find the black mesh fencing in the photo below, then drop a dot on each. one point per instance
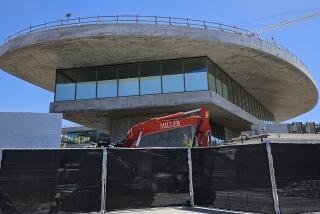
(147, 178)
(233, 178)
(27, 181)
(297, 173)
(50, 181)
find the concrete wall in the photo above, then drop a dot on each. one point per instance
(29, 130)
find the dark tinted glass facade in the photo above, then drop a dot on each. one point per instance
(166, 76)
(225, 86)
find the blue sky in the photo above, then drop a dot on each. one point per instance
(302, 39)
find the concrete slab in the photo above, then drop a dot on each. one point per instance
(98, 113)
(277, 79)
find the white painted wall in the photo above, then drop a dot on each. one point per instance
(29, 130)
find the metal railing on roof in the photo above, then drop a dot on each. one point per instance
(136, 19)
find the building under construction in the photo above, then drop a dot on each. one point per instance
(110, 72)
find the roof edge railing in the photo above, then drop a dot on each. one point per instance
(137, 19)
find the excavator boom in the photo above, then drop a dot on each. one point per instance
(170, 122)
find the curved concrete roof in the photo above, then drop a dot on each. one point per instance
(276, 78)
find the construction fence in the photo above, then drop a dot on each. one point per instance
(263, 178)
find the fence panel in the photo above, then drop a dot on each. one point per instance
(227, 177)
(27, 181)
(147, 178)
(297, 172)
(233, 177)
(50, 181)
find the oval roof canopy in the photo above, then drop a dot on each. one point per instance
(273, 76)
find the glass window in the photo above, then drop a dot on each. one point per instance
(242, 97)
(65, 86)
(172, 79)
(150, 78)
(257, 110)
(235, 93)
(230, 90)
(245, 100)
(248, 102)
(195, 74)
(267, 116)
(260, 111)
(211, 77)
(128, 79)
(255, 113)
(192, 74)
(107, 82)
(224, 85)
(217, 73)
(251, 105)
(263, 115)
(86, 83)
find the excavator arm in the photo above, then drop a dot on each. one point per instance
(170, 122)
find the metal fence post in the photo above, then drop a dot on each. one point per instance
(104, 181)
(190, 178)
(273, 179)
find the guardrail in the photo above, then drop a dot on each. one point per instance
(136, 19)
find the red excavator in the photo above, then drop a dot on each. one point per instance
(202, 136)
